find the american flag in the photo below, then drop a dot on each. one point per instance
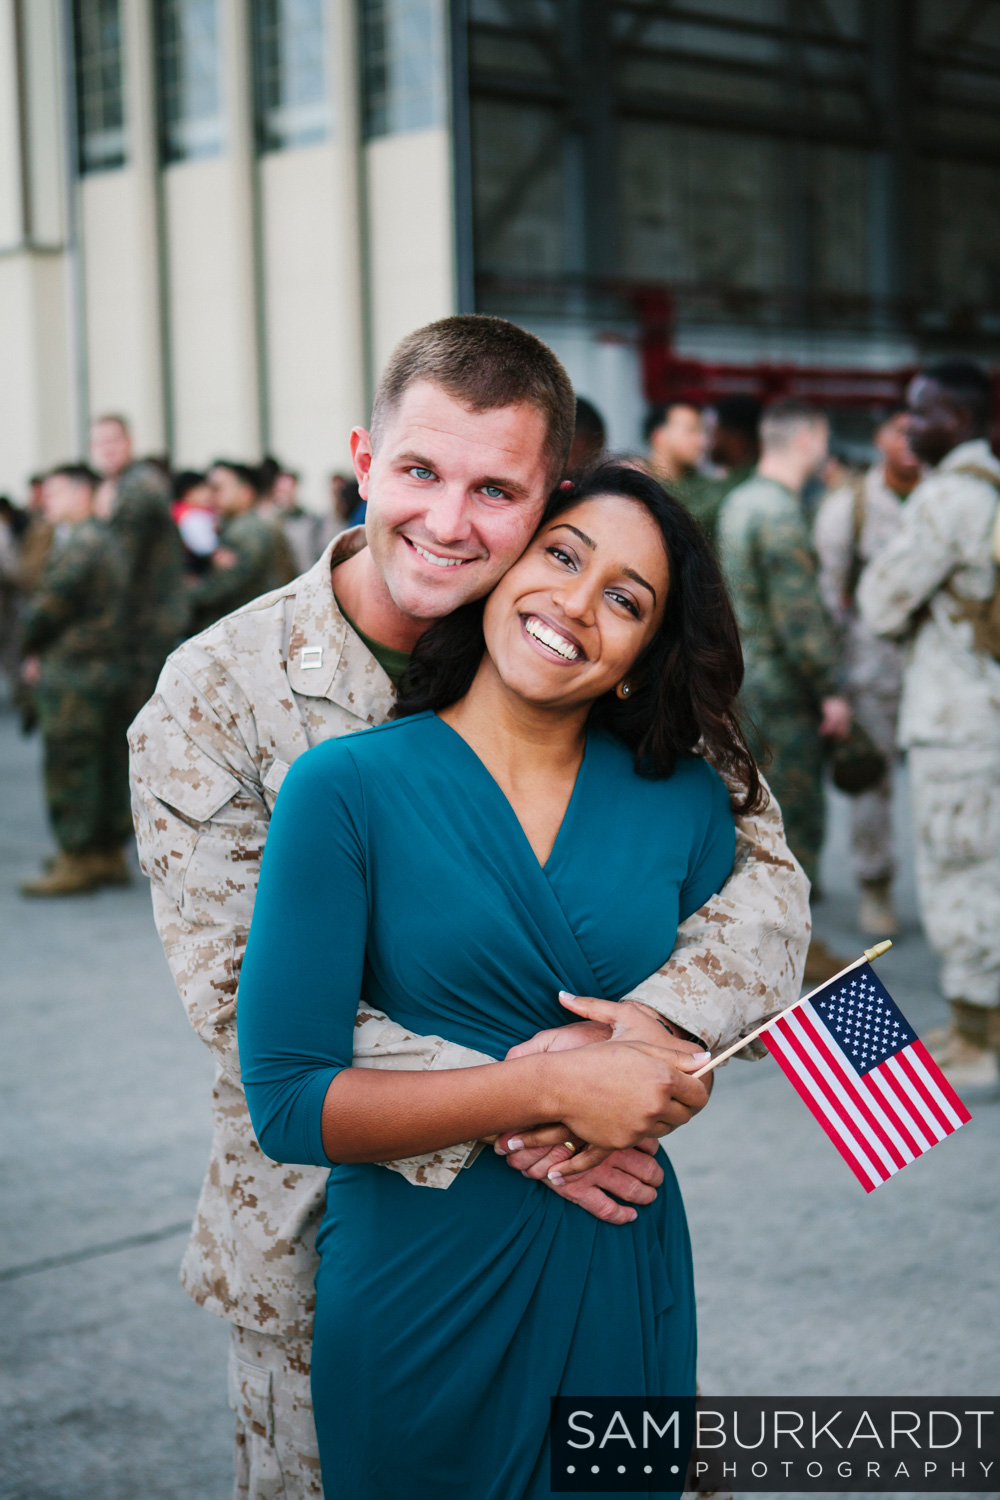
(865, 1074)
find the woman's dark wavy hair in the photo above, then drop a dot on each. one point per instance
(685, 683)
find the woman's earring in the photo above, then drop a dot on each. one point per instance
(623, 689)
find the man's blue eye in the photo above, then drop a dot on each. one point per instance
(492, 492)
(422, 473)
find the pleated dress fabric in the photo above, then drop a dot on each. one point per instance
(396, 870)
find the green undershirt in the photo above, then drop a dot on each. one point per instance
(393, 663)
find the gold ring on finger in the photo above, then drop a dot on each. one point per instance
(570, 1147)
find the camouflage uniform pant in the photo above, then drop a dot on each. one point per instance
(276, 1453)
(871, 812)
(956, 812)
(85, 768)
(795, 776)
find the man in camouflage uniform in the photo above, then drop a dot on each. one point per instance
(677, 440)
(234, 708)
(790, 692)
(933, 584)
(252, 556)
(135, 498)
(72, 637)
(734, 447)
(854, 524)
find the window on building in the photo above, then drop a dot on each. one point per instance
(293, 105)
(99, 85)
(404, 65)
(190, 92)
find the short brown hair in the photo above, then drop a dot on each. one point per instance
(485, 363)
(784, 417)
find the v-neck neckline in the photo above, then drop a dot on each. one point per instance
(570, 805)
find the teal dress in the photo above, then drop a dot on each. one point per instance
(396, 870)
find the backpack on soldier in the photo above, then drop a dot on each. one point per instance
(982, 614)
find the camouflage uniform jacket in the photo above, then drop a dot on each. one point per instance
(943, 548)
(156, 608)
(74, 619)
(704, 496)
(263, 562)
(789, 643)
(871, 662)
(233, 709)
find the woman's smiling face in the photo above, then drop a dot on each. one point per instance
(568, 621)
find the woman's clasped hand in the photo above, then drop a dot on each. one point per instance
(632, 1076)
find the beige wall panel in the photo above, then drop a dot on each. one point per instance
(411, 237)
(211, 337)
(11, 212)
(44, 120)
(314, 391)
(123, 369)
(36, 427)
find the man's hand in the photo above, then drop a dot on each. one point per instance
(225, 558)
(632, 1175)
(562, 1038)
(31, 671)
(543, 1151)
(836, 721)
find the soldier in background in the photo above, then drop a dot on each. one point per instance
(854, 524)
(734, 447)
(251, 557)
(72, 636)
(135, 499)
(677, 441)
(790, 691)
(590, 438)
(935, 583)
(279, 501)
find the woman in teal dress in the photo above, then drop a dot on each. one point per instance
(540, 821)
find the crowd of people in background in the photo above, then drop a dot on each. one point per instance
(110, 564)
(865, 597)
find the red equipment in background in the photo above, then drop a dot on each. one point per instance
(668, 376)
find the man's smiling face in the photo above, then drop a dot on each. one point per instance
(454, 496)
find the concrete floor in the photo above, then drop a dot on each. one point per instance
(112, 1384)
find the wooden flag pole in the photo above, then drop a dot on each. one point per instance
(869, 955)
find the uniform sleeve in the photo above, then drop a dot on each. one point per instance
(221, 586)
(138, 511)
(788, 568)
(833, 537)
(201, 821)
(739, 958)
(56, 602)
(299, 986)
(925, 550)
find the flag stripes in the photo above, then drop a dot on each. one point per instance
(879, 1120)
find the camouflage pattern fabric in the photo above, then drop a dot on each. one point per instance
(704, 496)
(277, 1456)
(873, 666)
(85, 765)
(156, 609)
(789, 647)
(943, 548)
(74, 623)
(956, 814)
(233, 709)
(949, 716)
(263, 562)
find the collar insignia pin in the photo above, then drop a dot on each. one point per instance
(311, 657)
